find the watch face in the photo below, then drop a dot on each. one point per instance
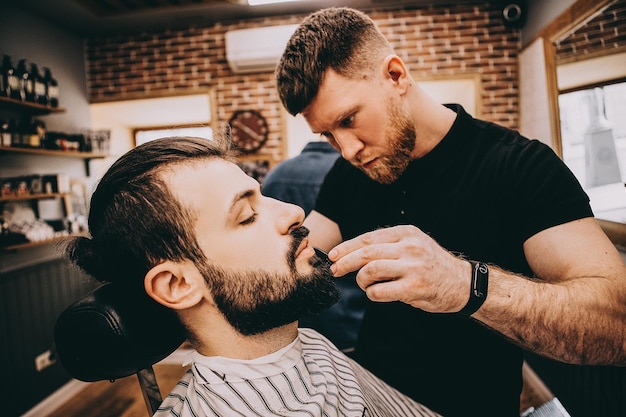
(248, 130)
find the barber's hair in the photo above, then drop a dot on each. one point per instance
(135, 221)
(340, 38)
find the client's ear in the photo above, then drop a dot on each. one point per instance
(177, 285)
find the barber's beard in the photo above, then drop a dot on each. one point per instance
(401, 133)
(254, 302)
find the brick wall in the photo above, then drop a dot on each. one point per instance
(602, 35)
(433, 41)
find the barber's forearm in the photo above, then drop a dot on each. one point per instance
(580, 321)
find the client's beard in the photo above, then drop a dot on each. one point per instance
(254, 302)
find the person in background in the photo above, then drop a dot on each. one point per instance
(238, 270)
(297, 181)
(472, 242)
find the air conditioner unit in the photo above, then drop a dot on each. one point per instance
(256, 49)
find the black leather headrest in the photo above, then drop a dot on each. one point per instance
(111, 333)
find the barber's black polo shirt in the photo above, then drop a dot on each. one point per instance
(481, 192)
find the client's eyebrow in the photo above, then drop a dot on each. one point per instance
(239, 197)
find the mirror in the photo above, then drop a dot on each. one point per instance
(591, 82)
(578, 68)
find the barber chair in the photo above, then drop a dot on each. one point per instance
(112, 333)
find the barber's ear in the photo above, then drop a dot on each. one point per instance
(394, 69)
(177, 285)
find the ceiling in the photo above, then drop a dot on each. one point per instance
(108, 17)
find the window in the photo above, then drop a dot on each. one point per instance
(593, 134)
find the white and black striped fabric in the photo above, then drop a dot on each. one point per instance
(308, 378)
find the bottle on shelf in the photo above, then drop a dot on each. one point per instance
(17, 134)
(4, 73)
(25, 87)
(37, 133)
(13, 81)
(52, 88)
(5, 132)
(38, 86)
(30, 134)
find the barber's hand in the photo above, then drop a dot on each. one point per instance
(402, 263)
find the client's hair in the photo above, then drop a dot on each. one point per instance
(134, 220)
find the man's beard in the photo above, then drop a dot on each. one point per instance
(401, 134)
(254, 302)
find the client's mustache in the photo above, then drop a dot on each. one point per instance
(298, 235)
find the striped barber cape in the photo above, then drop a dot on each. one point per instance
(309, 377)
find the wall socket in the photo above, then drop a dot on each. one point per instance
(44, 360)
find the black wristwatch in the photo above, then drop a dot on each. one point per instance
(478, 290)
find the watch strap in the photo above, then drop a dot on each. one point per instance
(478, 290)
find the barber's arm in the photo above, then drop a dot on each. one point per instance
(574, 312)
(324, 233)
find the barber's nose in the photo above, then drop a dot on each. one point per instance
(350, 146)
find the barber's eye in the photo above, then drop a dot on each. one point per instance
(249, 220)
(347, 122)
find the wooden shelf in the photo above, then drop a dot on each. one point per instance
(31, 197)
(52, 152)
(27, 110)
(27, 107)
(26, 245)
(86, 156)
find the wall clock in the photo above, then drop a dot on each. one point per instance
(248, 130)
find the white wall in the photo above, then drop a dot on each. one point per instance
(25, 36)
(534, 98)
(121, 117)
